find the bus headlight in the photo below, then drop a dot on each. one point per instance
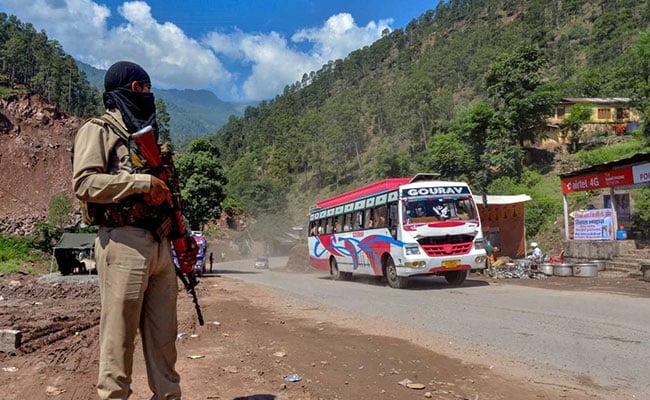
(415, 264)
(479, 244)
(412, 250)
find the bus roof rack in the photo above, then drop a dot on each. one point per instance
(425, 176)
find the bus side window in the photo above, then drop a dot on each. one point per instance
(328, 226)
(312, 228)
(358, 220)
(369, 218)
(380, 214)
(347, 222)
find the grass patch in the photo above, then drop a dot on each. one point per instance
(610, 152)
(16, 254)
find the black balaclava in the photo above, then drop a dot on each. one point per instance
(138, 109)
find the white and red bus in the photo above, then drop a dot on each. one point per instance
(398, 228)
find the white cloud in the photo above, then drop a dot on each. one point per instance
(175, 60)
(275, 63)
(340, 35)
(171, 58)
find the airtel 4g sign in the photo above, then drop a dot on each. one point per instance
(435, 191)
(625, 176)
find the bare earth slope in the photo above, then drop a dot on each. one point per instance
(35, 138)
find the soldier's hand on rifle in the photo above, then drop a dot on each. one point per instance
(158, 193)
(187, 258)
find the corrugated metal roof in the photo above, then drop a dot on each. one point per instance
(596, 100)
(608, 166)
(502, 199)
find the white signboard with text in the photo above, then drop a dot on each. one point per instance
(594, 225)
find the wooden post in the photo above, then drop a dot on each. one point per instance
(565, 204)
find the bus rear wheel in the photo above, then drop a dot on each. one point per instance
(394, 281)
(456, 278)
(337, 274)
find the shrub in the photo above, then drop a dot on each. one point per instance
(14, 251)
(45, 236)
(546, 205)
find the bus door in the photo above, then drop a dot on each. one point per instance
(359, 233)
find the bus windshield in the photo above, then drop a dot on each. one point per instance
(418, 210)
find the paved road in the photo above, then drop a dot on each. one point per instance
(602, 336)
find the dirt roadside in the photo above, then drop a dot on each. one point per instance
(254, 338)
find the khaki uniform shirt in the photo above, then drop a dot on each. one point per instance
(102, 165)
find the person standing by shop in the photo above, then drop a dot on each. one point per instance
(133, 254)
(536, 256)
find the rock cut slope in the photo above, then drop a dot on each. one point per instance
(35, 142)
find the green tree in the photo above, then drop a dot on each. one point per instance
(448, 156)
(472, 128)
(637, 73)
(202, 181)
(515, 85)
(58, 212)
(163, 118)
(573, 124)
(391, 163)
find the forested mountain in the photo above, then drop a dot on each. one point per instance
(461, 90)
(192, 112)
(196, 112)
(29, 61)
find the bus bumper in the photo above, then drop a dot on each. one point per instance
(437, 266)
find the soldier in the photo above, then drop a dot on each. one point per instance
(133, 254)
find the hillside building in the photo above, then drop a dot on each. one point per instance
(615, 115)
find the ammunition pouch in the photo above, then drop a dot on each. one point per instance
(132, 211)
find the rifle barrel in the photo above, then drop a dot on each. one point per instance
(190, 284)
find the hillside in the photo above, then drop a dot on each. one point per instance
(439, 95)
(35, 165)
(400, 106)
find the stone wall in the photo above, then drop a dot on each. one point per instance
(597, 249)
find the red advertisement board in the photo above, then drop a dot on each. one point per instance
(598, 180)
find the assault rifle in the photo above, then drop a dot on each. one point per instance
(160, 161)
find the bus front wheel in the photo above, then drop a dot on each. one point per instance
(394, 281)
(337, 274)
(456, 278)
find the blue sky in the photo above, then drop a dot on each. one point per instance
(241, 50)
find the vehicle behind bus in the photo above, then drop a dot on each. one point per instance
(399, 228)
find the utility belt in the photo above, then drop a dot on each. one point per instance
(132, 211)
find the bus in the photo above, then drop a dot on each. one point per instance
(398, 228)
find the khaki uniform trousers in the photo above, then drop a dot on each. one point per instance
(138, 290)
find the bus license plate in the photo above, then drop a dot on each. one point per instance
(450, 263)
